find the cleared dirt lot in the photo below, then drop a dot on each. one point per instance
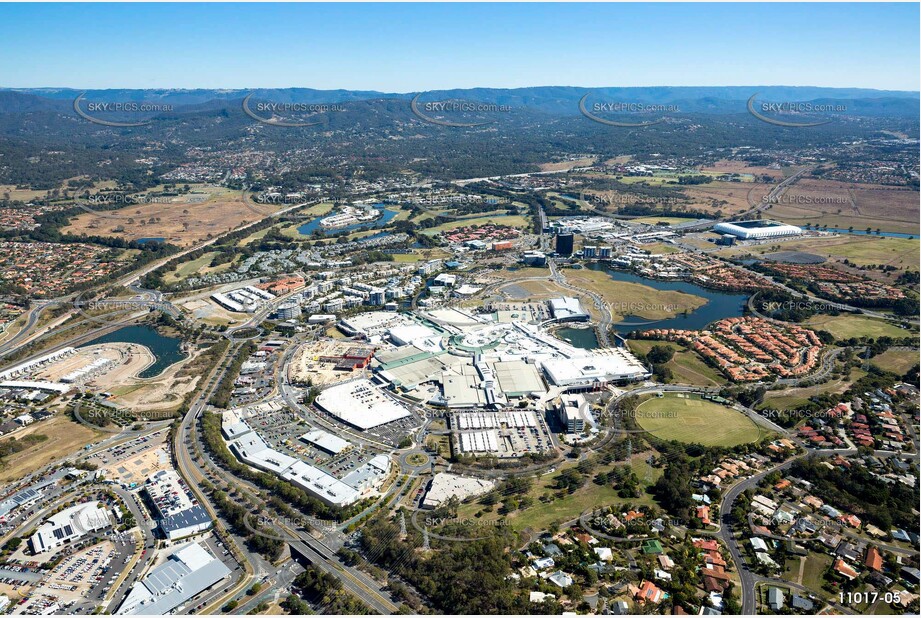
(210, 312)
(137, 468)
(306, 364)
(163, 392)
(127, 360)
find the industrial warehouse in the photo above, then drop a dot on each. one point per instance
(186, 572)
(69, 525)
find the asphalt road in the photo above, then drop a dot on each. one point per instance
(746, 577)
(353, 580)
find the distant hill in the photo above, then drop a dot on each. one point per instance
(556, 100)
(43, 141)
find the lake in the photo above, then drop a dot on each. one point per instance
(719, 304)
(314, 224)
(166, 350)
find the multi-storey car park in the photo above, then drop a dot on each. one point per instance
(177, 512)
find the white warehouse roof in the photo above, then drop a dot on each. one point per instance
(567, 308)
(361, 404)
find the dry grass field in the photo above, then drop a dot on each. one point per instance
(902, 253)
(727, 197)
(791, 398)
(516, 221)
(843, 205)
(741, 167)
(687, 418)
(686, 366)
(204, 213)
(22, 195)
(65, 436)
(887, 202)
(633, 298)
(197, 267)
(558, 505)
(668, 220)
(896, 361)
(623, 298)
(845, 326)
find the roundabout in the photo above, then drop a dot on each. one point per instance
(414, 462)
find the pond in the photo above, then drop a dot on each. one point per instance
(584, 338)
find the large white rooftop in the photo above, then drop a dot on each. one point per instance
(361, 404)
(567, 308)
(615, 364)
(756, 229)
(72, 523)
(446, 485)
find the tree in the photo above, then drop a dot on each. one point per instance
(662, 373)
(660, 354)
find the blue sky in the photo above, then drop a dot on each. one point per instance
(413, 47)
